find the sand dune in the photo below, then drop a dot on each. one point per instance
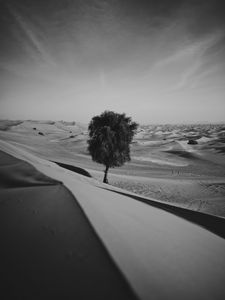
(50, 249)
(161, 161)
(162, 167)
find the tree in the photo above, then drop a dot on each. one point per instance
(110, 135)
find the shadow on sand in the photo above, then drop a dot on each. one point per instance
(73, 169)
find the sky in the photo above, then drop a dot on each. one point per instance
(157, 61)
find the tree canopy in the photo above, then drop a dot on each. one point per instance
(110, 135)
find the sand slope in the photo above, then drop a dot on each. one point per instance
(161, 255)
(49, 250)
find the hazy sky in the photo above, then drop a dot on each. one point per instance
(158, 61)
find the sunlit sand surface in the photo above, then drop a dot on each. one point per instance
(163, 166)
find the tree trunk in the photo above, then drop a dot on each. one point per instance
(105, 180)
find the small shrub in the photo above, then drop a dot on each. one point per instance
(192, 142)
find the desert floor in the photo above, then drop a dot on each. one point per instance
(163, 165)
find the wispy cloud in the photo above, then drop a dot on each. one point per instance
(181, 54)
(195, 52)
(30, 35)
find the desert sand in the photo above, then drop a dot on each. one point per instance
(67, 235)
(163, 166)
(49, 249)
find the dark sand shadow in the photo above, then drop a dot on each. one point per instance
(73, 169)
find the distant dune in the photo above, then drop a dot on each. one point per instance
(7, 124)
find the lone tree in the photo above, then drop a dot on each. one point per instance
(110, 135)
